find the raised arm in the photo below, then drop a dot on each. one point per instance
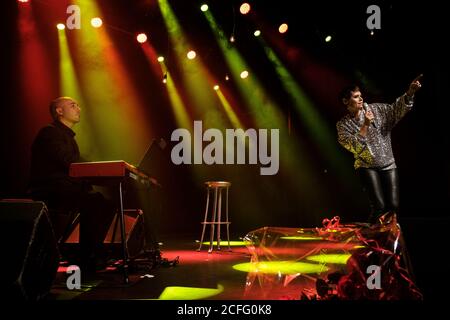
(395, 111)
(414, 86)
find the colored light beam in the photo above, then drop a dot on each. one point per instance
(330, 258)
(302, 238)
(68, 81)
(196, 79)
(197, 84)
(314, 74)
(34, 74)
(160, 70)
(236, 123)
(112, 102)
(281, 267)
(225, 243)
(69, 87)
(189, 293)
(264, 111)
(311, 118)
(152, 59)
(182, 117)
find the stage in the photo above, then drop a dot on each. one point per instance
(184, 273)
(173, 102)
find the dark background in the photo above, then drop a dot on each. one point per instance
(411, 41)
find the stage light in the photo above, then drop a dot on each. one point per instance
(216, 87)
(281, 267)
(60, 26)
(328, 39)
(244, 8)
(141, 37)
(330, 258)
(232, 38)
(283, 28)
(372, 33)
(189, 293)
(164, 80)
(227, 78)
(191, 54)
(257, 33)
(22, 1)
(244, 74)
(204, 7)
(160, 59)
(96, 22)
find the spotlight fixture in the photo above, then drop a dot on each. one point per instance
(23, 1)
(227, 77)
(160, 59)
(204, 7)
(60, 26)
(283, 28)
(164, 80)
(328, 39)
(96, 22)
(244, 74)
(257, 33)
(372, 33)
(216, 87)
(232, 38)
(244, 8)
(141, 37)
(191, 54)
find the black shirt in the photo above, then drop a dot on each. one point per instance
(53, 150)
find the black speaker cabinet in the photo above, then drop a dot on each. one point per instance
(134, 234)
(29, 255)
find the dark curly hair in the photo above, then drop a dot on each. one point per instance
(346, 92)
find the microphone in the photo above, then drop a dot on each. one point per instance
(365, 106)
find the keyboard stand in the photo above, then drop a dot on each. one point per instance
(123, 236)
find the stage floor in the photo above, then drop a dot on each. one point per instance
(197, 275)
(221, 275)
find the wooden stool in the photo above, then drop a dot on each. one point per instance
(216, 219)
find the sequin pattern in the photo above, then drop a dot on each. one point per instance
(375, 149)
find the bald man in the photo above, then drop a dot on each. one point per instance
(53, 150)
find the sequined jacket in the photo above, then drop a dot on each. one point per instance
(375, 149)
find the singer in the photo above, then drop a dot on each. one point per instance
(366, 132)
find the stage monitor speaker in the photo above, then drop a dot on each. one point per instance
(134, 234)
(30, 255)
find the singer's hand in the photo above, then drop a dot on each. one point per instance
(414, 86)
(368, 117)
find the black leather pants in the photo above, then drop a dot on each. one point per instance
(382, 189)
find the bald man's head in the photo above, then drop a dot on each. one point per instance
(65, 110)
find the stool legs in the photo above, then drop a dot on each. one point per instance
(204, 221)
(216, 218)
(219, 218)
(213, 222)
(227, 223)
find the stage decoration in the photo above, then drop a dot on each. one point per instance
(357, 261)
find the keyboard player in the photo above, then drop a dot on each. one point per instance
(53, 150)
